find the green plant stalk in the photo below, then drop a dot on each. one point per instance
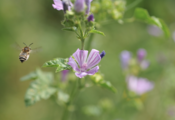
(82, 44)
(89, 42)
(74, 93)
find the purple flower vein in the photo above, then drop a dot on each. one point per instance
(84, 65)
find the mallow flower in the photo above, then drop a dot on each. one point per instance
(125, 57)
(139, 85)
(83, 64)
(62, 5)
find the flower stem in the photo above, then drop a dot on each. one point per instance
(88, 46)
(76, 88)
(82, 44)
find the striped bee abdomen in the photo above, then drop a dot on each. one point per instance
(22, 59)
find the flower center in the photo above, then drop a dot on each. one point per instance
(84, 67)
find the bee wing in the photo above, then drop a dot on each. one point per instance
(16, 46)
(36, 50)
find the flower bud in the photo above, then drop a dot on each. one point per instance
(64, 75)
(79, 5)
(141, 54)
(90, 18)
(102, 54)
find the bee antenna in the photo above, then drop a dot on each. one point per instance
(30, 44)
(24, 44)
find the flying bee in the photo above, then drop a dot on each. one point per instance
(25, 52)
(24, 55)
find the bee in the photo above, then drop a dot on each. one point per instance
(25, 53)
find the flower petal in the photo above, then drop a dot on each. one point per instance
(73, 64)
(57, 4)
(144, 86)
(80, 56)
(93, 59)
(93, 70)
(80, 75)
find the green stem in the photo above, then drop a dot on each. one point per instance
(82, 44)
(74, 93)
(89, 42)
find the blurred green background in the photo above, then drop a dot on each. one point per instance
(35, 21)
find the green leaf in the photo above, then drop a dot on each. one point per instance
(96, 31)
(41, 88)
(68, 23)
(30, 76)
(60, 63)
(63, 97)
(143, 15)
(92, 110)
(99, 80)
(70, 28)
(108, 85)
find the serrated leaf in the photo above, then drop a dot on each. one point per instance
(143, 15)
(97, 32)
(30, 76)
(41, 88)
(38, 90)
(60, 63)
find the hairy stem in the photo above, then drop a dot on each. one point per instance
(89, 42)
(82, 44)
(74, 93)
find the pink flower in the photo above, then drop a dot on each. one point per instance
(58, 4)
(84, 65)
(139, 85)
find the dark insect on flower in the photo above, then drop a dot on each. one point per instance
(65, 6)
(102, 54)
(90, 18)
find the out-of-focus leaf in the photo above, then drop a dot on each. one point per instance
(38, 90)
(143, 15)
(63, 97)
(96, 31)
(60, 63)
(92, 110)
(98, 80)
(108, 85)
(30, 76)
(41, 88)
